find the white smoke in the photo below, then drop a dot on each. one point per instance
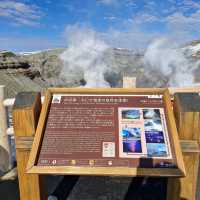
(165, 56)
(85, 53)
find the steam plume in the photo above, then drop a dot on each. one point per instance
(85, 53)
(88, 55)
(164, 56)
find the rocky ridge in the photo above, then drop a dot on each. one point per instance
(44, 68)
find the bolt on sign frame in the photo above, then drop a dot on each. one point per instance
(177, 170)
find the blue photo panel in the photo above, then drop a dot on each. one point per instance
(154, 137)
(130, 114)
(133, 146)
(156, 150)
(131, 133)
(153, 125)
(151, 113)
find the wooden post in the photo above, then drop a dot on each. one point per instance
(129, 82)
(187, 115)
(173, 90)
(26, 112)
(4, 144)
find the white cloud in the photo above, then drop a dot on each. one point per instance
(108, 2)
(111, 18)
(130, 32)
(168, 17)
(132, 38)
(142, 18)
(131, 3)
(179, 21)
(189, 4)
(176, 23)
(20, 13)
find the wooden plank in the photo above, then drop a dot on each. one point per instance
(24, 142)
(187, 115)
(106, 171)
(26, 111)
(107, 90)
(190, 146)
(173, 129)
(185, 188)
(39, 131)
(194, 89)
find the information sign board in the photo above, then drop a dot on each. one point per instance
(86, 130)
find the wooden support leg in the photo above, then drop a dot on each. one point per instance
(187, 115)
(26, 112)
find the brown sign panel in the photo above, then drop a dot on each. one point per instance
(106, 130)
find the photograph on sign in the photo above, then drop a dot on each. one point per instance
(142, 133)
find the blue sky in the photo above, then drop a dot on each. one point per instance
(28, 25)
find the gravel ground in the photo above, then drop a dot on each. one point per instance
(100, 188)
(115, 188)
(9, 190)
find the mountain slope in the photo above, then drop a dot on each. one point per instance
(45, 69)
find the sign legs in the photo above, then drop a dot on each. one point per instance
(26, 112)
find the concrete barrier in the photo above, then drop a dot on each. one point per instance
(5, 161)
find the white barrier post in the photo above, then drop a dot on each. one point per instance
(129, 82)
(4, 144)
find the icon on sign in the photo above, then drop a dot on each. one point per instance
(91, 162)
(73, 162)
(54, 162)
(110, 163)
(56, 99)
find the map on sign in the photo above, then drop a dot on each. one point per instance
(106, 130)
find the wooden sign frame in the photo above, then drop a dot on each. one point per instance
(113, 171)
